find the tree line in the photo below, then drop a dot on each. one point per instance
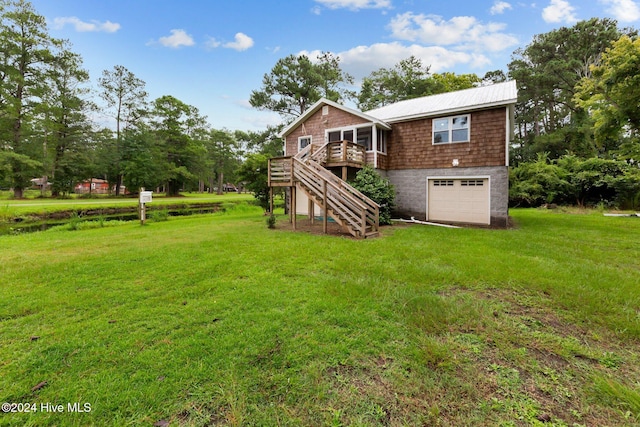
(577, 117)
(48, 127)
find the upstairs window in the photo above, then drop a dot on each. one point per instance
(303, 141)
(364, 138)
(448, 130)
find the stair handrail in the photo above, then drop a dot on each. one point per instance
(280, 170)
(330, 182)
(304, 153)
(320, 155)
(351, 204)
(345, 185)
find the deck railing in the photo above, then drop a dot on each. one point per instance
(280, 172)
(345, 152)
(336, 153)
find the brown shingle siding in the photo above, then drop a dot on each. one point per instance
(411, 144)
(316, 126)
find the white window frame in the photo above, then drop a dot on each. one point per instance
(353, 129)
(450, 129)
(382, 139)
(301, 138)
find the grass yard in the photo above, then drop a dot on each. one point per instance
(217, 320)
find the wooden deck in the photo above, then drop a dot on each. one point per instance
(345, 153)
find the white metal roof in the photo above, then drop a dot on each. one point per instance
(494, 95)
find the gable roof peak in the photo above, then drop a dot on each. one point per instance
(319, 104)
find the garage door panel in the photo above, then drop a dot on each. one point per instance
(459, 200)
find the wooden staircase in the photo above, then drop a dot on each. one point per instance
(348, 207)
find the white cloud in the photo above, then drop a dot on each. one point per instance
(355, 4)
(360, 61)
(81, 26)
(559, 11)
(623, 10)
(242, 42)
(499, 7)
(177, 39)
(257, 119)
(463, 31)
(212, 43)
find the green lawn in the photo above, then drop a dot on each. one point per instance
(217, 320)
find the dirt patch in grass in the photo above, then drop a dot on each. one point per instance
(305, 225)
(531, 362)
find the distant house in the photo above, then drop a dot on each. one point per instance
(94, 186)
(446, 154)
(229, 187)
(41, 184)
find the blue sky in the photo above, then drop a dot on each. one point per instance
(211, 54)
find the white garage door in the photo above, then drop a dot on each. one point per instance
(459, 200)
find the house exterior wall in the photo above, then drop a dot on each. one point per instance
(412, 158)
(411, 147)
(316, 126)
(383, 161)
(411, 189)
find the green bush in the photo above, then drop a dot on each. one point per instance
(74, 221)
(537, 183)
(591, 181)
(271, 221)
(575, 181)
(159, 215)
(378, 189)
(88, 196)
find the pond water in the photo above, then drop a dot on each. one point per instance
(34, 223)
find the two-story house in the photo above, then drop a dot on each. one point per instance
(447, 156)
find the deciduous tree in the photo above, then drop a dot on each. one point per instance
(222, 157)
(253, 173)
(611, 94)
(266, 142)
(547, 71)
(408, 79)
